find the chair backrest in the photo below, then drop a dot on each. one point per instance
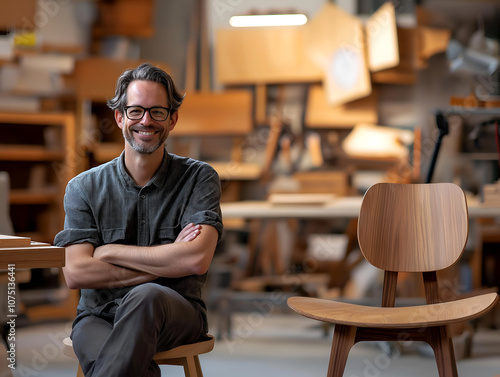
(413, 227)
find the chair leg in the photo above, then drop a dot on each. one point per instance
(199, 372)
(79, 372)
(343, 340)
(192, 367)
(442, 344)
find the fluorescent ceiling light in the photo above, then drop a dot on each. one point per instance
(268, 20)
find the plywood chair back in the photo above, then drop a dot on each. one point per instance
(413, 228)
(405, 228)
(185, 355)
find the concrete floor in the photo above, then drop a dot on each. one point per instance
(268, 345)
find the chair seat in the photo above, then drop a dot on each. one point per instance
(185, 351)
(164, 357)
(394, 317)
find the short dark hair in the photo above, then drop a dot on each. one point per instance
(147, 72)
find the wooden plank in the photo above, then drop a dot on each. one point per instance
(13, 241)
(34, 196)
(263, 55)
(32, 257)
(382, 38)
(432, 41)
(95, 77)
(205, 68)
(323, 181)
(17, 14)
(52, 119)
(227, 113)
(126, 17)
(405, 72)
(29, 153)
(320, 114)
(336, 42)
(373, 142)
(192, 49)
(261, 103)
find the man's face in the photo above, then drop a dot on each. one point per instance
(146, 135)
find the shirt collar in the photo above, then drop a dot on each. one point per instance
(158, 179)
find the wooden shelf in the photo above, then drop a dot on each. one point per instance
(29, 153)
(39, 169)
(39, 150)
(42, 119)
(34, 196)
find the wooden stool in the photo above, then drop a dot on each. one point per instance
(185, 355)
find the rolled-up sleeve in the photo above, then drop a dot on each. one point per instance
(204, 202)
(79, 222)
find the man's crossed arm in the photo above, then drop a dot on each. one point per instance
(113, 265)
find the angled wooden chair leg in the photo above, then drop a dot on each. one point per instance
(442, 344)
(343, 340)
(199, 372)
(190, 367)
(79, 372)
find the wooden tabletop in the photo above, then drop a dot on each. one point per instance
(341, 207)
(21, 252)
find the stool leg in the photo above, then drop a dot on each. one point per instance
(79, 372)
(191, 367)
(199, 373)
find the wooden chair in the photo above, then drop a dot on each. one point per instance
(404, 228)
(185, 355)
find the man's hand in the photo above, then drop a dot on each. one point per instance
(188, 233)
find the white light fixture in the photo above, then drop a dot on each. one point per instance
(268, 20)
(466, 59)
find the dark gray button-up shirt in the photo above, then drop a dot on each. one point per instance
(104, 205)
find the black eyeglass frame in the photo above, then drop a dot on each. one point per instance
(148, 109)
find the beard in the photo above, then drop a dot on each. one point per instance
(140, 147)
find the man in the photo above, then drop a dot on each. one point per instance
(140, 233)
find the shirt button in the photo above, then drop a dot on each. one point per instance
(143, 196)
(143, 221)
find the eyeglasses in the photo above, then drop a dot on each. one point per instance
(136, 112)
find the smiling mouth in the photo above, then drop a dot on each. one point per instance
(146, 133)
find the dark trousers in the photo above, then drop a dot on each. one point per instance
(150, 318)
